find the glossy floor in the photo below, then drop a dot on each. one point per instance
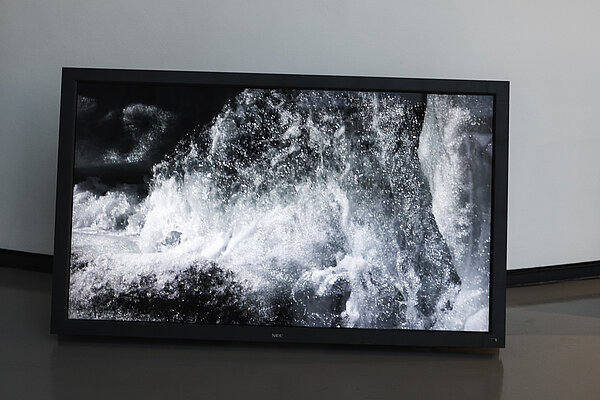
(552, 352)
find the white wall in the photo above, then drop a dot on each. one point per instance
(548, 51)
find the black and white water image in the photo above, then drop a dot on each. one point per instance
(281, 207)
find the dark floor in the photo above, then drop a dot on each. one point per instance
(552, 352)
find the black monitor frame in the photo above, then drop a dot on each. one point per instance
(61, 324)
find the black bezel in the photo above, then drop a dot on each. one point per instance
(495, 337)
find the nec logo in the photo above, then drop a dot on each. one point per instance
(277, 335)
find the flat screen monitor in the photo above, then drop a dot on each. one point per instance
(282, 208)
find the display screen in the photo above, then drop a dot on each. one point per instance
(285, 207)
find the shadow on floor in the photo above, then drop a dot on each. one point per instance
(215, 370)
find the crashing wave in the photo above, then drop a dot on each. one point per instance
(313, 204)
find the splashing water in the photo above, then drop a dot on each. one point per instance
(310, 208)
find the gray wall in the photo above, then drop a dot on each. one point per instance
(547, 50)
